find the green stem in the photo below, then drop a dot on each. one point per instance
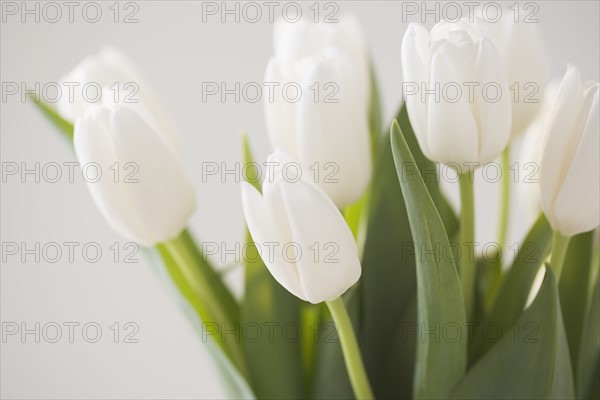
(504, 199)
(467, 240)
(201, 286)
(352, 357)
(560, 244)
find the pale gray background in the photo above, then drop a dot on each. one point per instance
(176, 52)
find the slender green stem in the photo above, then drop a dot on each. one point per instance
(504, 199)
(560, 244)
(467, 240)
(197, 282)
(352, 357)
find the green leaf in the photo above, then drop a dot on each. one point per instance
(234, 383)
(374, 112)
(274, 357)
(203, 288)
(588, 368)
(574, 282)
(530, 363)
(388, 282)
(62, 124)
(428, 172)
(440, 363)
(514, 287)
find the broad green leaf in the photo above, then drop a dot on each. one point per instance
(515, 285)
(440, 364)
(573, 287)
(65, 127)
(588, 369)
(388, 282)
(199, 283)
(272, 355)
(531, 361)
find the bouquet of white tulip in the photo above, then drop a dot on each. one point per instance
(402, 306)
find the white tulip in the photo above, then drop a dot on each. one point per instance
(297, 214)
(473, 127)
(327, 127)
(143, 191)
(299, 42)
(570, 164)
(530, 155)
(526, 62)
(110, 78)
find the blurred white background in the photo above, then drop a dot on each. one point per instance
(176, 51)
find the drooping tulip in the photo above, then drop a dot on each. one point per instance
(570, 164)
(462, 111)
(293, 213)
(525, 60)
(142, 190)
(325, 126)
(109, 78)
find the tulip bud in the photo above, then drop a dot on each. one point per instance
(326, 125)
(142, 189)
(569, 181)
(530, 156)
(117, 81)
(462, 112)
(296, 43)
(298, 217)
(525, 60)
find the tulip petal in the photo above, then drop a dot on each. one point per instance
(349, 37)
(559, 136)
(415, 68)
(263, 229)
(280, 113)
(493, 102)
(329, 263)
(452, 130)
(334, 132)
(576, 209)
(146, 196)
(295, 41)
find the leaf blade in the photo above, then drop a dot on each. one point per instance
(439, 364)
(539, 369)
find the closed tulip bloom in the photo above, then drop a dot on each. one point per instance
(297, 214)
(570, 165)
(527, 66)
(299, 42)
(329, 134)
(143, 191)
(110, 78)
(326, 125)
(530, 156)
(473, 126)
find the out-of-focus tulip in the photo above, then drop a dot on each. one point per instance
(569, 181)
(109, 78)
(466, 116)
(325, 126)
(143, 191)
(296, 214)
(297, 43)
(530, 155)
(525, 60)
